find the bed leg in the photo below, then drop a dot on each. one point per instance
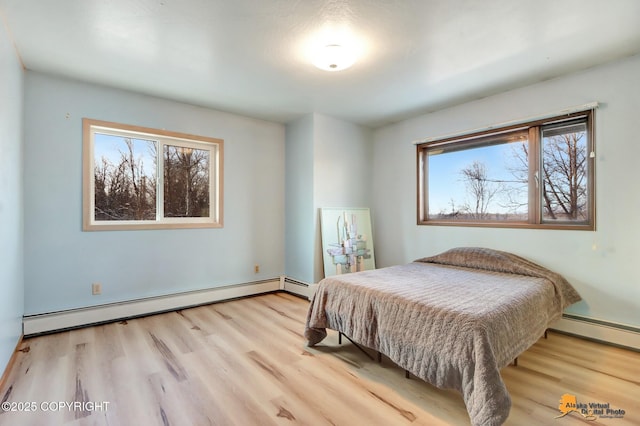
(406, 374)
(355, 344)
(515, 362)
(379, 357)
(339, 338)
(545, 334)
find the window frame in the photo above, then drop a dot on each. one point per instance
(214, 146)
(535, 213)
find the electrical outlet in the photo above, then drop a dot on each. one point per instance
(256, 268)
(96, 288)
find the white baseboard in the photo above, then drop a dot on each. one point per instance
(54, 321)
(601, 331)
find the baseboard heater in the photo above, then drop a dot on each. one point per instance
(600, 331)
(297, 287)
(92, 315)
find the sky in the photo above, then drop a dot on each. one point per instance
(446, 182)
(111, 146)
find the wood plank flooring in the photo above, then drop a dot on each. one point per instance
(245, 363)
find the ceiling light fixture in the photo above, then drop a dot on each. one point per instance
(334, 57)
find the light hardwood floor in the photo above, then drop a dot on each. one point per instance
(245, 363)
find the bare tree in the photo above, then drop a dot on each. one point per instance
(481, 189)
(516, 196)
(186, 175)
(124, 191)
(564, 175)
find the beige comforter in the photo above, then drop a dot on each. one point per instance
(453, 320)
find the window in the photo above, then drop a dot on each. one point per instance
(139, 178)
(537, 175)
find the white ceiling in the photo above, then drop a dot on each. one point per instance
(251, 57)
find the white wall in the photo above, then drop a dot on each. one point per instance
(342, 172)
(602, 265)
(11, 201)
(61, 261)
(299, 212)
(328, 165)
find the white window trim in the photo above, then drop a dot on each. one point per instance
(213, 145)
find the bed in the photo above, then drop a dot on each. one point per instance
(453, 320)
